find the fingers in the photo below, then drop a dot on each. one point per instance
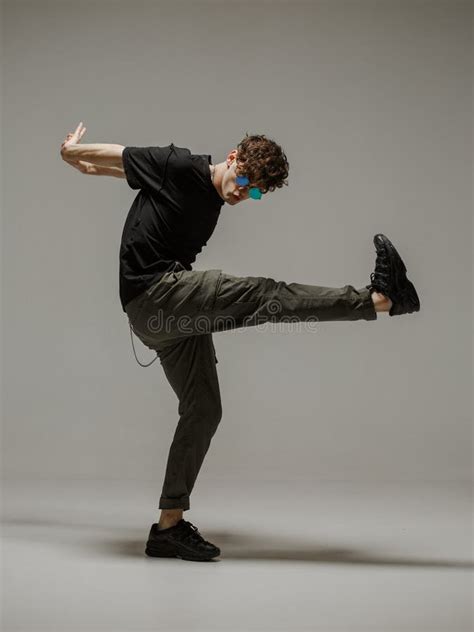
(78, 133)
(80, 130)
(68, 137)
(73, 138)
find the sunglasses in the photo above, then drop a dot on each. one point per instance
(254, 192)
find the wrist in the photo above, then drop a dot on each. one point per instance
(65, 152)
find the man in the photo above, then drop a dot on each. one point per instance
(174, 309)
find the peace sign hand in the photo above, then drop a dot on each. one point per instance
(74, 137)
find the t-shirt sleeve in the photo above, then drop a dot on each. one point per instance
(145, 167)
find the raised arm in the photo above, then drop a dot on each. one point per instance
(99, 154)
(96, 170)
(95, 153)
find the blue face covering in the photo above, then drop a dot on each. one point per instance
(254, 192)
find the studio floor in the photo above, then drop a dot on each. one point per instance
(296, 555)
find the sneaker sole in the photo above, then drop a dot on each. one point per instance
(409, 294)
(161, 551)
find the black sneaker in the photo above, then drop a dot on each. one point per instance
(182, 540)
(390, 278)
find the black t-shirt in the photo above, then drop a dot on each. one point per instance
(171, 218)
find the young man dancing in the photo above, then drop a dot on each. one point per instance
(174, 309)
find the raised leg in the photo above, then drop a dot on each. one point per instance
(194, 302)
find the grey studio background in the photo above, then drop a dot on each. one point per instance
(372, 103)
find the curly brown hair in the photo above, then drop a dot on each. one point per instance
(263, 161)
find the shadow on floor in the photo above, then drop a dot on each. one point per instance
(234, 545)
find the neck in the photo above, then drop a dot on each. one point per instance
(216, 177)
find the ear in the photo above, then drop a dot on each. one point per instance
(231, 156)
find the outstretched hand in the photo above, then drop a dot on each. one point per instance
(74, 137)
(71, 139)
(91, 168)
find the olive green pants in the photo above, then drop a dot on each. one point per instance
(176, 317)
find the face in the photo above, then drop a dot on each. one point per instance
(232, 192)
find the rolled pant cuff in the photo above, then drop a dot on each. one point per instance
(367, 304)
(174, 503)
